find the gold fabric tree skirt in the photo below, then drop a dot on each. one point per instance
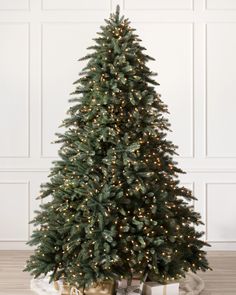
(191, 285)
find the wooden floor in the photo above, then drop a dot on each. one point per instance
(221, 281)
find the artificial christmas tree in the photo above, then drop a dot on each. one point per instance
(117, 209)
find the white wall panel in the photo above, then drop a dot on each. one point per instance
(221, 4)
(14, 211)
(158, 4)
(76, 4)
(14, 90)
(59, 71)
(194, 48)
(172, 46)
(221, 91)
(18, 192)
(221, 217)
(14, 4)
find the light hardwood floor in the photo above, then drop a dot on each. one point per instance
(220, 281)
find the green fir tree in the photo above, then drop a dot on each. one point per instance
(116, 208)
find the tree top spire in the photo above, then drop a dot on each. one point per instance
(117, 10)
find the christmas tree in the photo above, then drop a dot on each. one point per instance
(117, 208)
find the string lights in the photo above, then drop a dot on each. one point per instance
(115, 206)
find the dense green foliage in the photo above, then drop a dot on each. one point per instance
(116, 207)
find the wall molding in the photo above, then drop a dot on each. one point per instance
(75, 9)
(160, 9)
(206, 185)
(192, 107)
(42, 154)
(27, 154)
(217, 9)
(201, 167)
(47, 169)
(207, 155)
(17, 9)
(27, 183)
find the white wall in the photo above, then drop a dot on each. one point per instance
(194, 43)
